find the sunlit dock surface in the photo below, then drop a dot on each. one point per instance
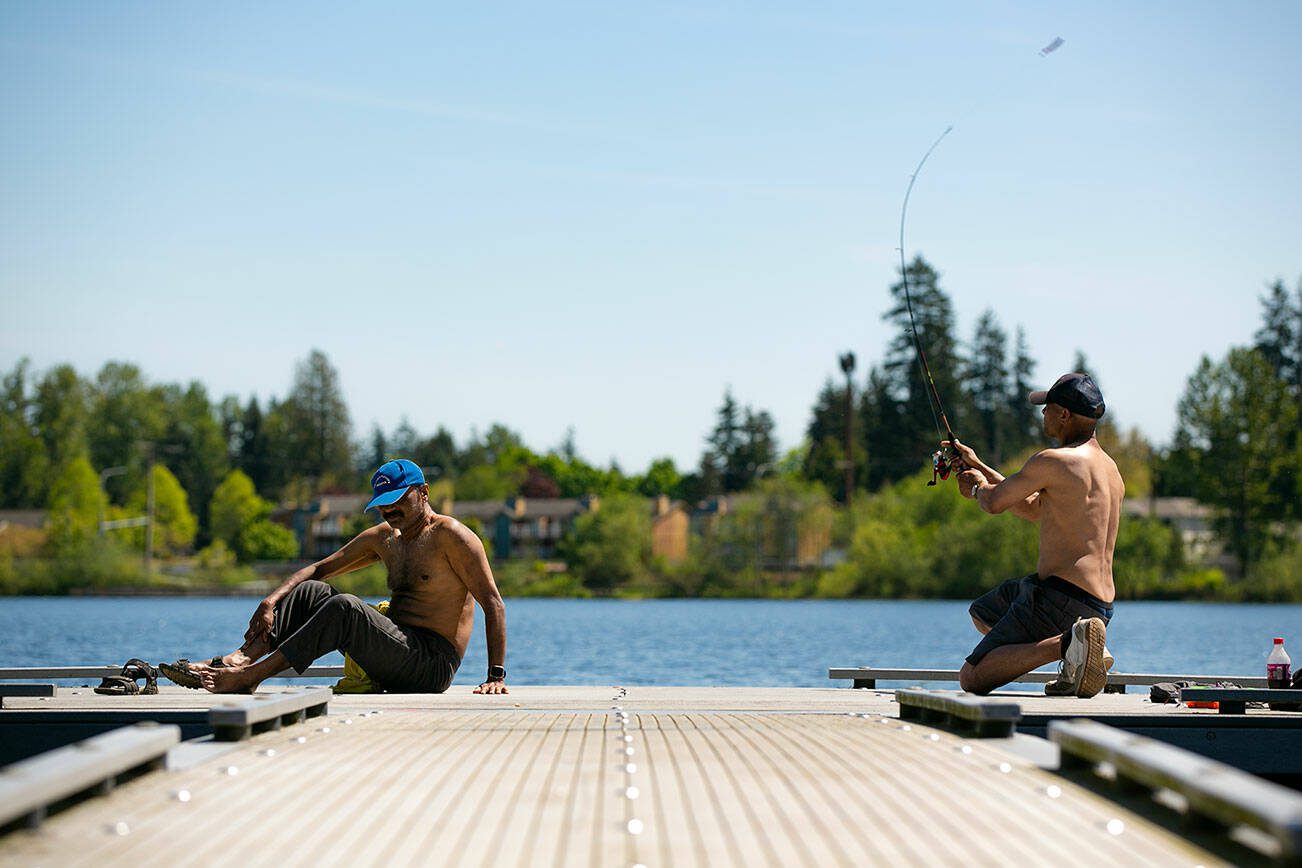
(598, 776)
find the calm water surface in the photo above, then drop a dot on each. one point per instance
(769, 643)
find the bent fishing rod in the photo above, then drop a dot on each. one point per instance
(943, 460)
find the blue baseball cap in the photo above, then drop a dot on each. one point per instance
(392, 480)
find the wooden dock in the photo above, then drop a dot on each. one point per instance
(598, 776)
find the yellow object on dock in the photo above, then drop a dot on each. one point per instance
(601, 777)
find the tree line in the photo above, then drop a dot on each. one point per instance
(82, 446)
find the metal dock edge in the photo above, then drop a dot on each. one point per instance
(28, 788)
(234, 721)
(1214, 793)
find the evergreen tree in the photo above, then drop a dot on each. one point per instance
(195, 449)
(1280, 334)
(886, 438)
(1279, 340)
(379, 449)
(824, 459)
(255, 457)
(24, 464)
(61, 411)
(312, 432)
(986, 389)
(126, 415)
(404, 440)
(724, 441)
(904, 381)
(1025, 427)
(741, 447)
(230, 416)
(437, 454)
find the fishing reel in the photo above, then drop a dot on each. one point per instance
(944, 461)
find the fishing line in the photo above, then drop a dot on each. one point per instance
(941, 459)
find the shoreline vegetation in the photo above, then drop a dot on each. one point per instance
(95, 472)
(907, 541)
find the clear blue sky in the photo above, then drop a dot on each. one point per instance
(601, 215)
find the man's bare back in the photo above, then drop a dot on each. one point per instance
(1080, 509)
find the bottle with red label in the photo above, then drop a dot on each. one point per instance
(1279, 672)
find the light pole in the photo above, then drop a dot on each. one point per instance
(847, 365)
(103, 476)
(150, 449)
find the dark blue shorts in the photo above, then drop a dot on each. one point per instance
(1031, 609)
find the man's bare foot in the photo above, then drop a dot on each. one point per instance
(227, 679)
(248, 653)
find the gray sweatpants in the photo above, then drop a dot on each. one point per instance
(315, 619)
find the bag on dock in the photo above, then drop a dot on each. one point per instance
(355, 679)
(1166, 691)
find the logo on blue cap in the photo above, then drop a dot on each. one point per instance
(392, 480)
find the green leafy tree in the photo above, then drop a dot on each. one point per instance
(662, 477)
(266, 541)
(1237, 423)
(76, 504)
(174, 524)
(239, 521)
(610, 547)
(495, 465)
(235, 505)
(1134, 457)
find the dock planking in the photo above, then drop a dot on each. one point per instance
(542, 776)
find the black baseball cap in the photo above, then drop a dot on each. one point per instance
(1077, 392)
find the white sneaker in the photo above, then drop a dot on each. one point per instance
(1107, 658)
(1084, 665)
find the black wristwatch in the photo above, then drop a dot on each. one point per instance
(496, 673)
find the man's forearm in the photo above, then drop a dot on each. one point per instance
(295, 579)
(495, 632)
(994, 477)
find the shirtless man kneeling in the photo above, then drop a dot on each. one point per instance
(1060, 611)
(437, 572)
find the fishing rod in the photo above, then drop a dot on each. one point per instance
(943, 460)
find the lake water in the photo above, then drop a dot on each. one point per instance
(768, 643)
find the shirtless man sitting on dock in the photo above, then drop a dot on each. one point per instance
(437, 572)
(1060, 611)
